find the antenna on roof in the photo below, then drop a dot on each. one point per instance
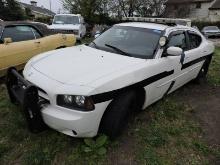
(167, 21)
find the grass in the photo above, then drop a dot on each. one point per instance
(214, 71)
(170, 136)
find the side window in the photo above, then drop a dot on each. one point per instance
(1, 28)
(36, 33)
(194, 40)
(178, 40)
(18, 33)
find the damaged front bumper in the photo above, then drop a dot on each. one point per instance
(25, 94)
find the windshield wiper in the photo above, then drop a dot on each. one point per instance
(96, 46)
(118, 50)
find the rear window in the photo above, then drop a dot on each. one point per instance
(211, 28)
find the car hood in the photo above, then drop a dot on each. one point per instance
(65, 27)
(81, 65)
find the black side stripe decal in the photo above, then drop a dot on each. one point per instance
(186, 65)
(99, 98)
(169, 89)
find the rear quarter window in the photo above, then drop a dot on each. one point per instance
(195, 40)
(1, 28)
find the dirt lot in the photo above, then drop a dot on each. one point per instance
(183, 128)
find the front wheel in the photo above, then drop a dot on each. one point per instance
(115, 119)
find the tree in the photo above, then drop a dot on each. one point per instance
(10, 10)
(101, 10)
(2, 9)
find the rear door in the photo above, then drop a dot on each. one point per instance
(193, 61)
(23, 46)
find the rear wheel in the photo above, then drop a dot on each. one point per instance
(202, 76)
(118, 113)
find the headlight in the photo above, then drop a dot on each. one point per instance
(80, 103)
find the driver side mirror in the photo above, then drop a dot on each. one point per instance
(7, 41)
(97, 34)
(174, 51)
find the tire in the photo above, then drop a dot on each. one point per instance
(202, 76)
(116, 117)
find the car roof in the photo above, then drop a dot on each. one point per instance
(39, 26)
(145, 25)
(78, 15)
(211, 26)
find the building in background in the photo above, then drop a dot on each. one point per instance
(200, 10)
(214, 11)
(37, 12)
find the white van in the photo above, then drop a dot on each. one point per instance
(69, 23)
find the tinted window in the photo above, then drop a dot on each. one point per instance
(1, 28)
(18, 33)
(137, 42)
(36, 33)
(65, 19)
(178, 40)
(194, 41)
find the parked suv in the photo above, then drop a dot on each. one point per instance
(69, 23)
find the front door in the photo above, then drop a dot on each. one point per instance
(169, 67)
(22, 48)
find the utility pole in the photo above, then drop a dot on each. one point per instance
(50, 5)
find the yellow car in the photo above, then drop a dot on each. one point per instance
(20, 41)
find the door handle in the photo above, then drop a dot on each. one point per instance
(37, 42)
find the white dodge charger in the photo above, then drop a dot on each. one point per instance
(93, 88)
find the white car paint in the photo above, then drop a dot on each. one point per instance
(80, 27)
(86, 71)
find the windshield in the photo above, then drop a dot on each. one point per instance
(130, 41)
(211, 28)
(65, 19)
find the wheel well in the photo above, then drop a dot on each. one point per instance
(61, 47)
(141, 95)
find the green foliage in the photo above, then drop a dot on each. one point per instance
(46, 20)
(170, 136)
(214, 70)
(109, 12)
(38, 157)
(10, 10)
(151, 157)
(96, 147)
